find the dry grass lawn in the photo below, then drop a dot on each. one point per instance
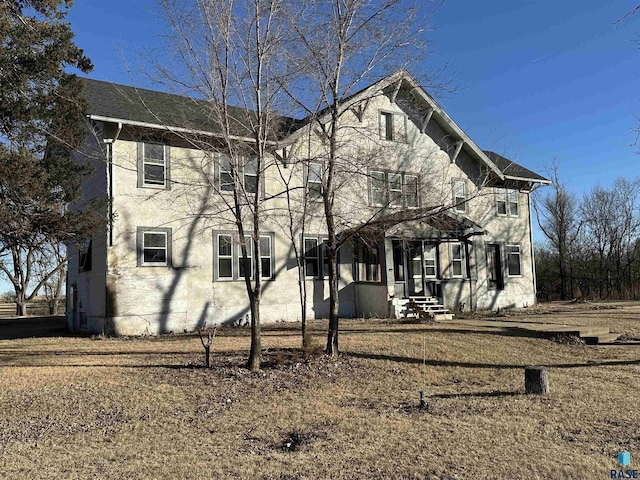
(74, 407)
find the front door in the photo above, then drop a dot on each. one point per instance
(423, 268)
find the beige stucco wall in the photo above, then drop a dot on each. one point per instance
(185, 295)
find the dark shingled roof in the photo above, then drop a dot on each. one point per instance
(512, 169)
(133, 104)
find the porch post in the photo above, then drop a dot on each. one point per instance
(389, 274)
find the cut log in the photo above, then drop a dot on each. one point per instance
(536, 380)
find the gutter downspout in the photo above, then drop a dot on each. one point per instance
(110, 187)
(110, 192)
(533, 259)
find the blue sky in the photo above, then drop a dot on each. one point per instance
(535, 79)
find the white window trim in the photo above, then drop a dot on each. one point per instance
(519, 254)
(236, 256)
(218, 257)
(270, 256)
(504, 195)
(394, 129)
(434, 249)
(248, 241)
(457, 205)
(385, 185)
(461, 260)
(317, 195)
(405, 193)
(245, 159)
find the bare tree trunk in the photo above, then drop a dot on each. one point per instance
(253, 363)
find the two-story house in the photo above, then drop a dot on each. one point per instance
(428, 214)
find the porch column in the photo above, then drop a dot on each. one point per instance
(389, 273)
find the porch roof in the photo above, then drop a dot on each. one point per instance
(405, 224)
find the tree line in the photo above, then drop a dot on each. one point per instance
(592, 244)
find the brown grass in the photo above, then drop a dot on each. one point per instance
(145, 408)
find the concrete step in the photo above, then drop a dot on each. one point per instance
(607, 338)
(442, 317)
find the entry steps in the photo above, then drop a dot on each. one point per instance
(425, 307)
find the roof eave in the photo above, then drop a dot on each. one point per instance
(170, 128)
(542, 181)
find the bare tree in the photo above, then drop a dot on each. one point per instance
(227, 53)
(54, 258)
(338, 46)
(29, 268)
(559, 218)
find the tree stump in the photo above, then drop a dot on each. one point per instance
(536, 380)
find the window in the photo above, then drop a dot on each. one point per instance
(494, 268)
(513, 260)
(507, 202)
(367, 263)
(225, 174)
(514, 202)
(154, 247)
(241, 264)
(266, 256)
(314, 181)
(311, 258)
(225, 256)
(430, 261)
(84, 256)
(459, 190)
(394, 189)
(228, 260)
(393, 126)
(250, 174)
(316, 257)
(410, 191)
(245, 167)
(153, 165)
(457, 260)
(378, 195)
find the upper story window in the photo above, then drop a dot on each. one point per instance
(507, 202)
(154, 247)
(393, 126)
(314, 180)
(153, 165)
(246, 168)
(395, 189)
(459, 194)
(250, 174)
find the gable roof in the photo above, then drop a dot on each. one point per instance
(141, 107)
(513, 170)
(501, 166)
(149, 108)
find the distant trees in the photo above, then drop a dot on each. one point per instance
(40, 124)
(593, 243)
